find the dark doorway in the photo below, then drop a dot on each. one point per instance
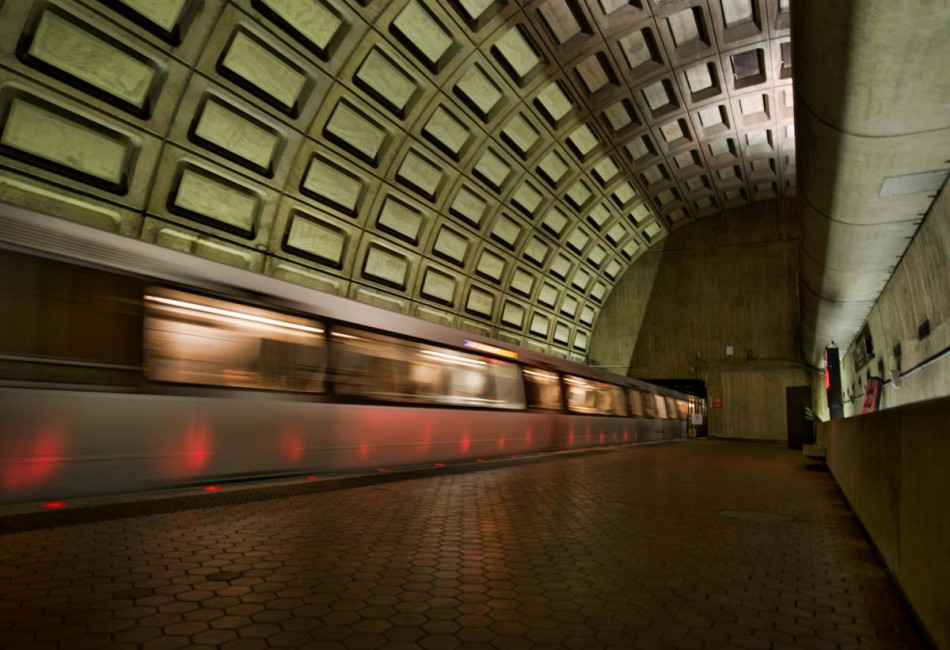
(800, 428)
(695, 387)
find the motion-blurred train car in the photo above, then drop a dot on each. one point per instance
(127, 367)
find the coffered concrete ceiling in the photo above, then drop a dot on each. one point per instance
(484, 164)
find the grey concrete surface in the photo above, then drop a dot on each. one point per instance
(892, 468)
(918, 291)
(871, 98)
(730, 280)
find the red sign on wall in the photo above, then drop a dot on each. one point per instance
(872, 398)
(717, 402)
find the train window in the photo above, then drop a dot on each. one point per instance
(682, 406)
(68, 324)
(542, 389)
(193, 339)
(386, 368)
(670, 408)
(636, 404)
(588, 396)
(619, 399)
(661, 407)
(649, 407)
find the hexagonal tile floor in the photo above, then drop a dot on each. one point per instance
(688, 545)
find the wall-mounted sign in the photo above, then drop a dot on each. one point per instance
(717, 402)
(863, 348)
(872, 398)
(696, 419)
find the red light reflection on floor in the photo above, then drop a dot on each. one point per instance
(601, 437)
(625, 435)
(212, 488)
(55, 504)
(466, 443)
(570, 437)
(440, 464)
(313, 478)
(364, 450)
(527, 437)
(384, 469)
(501, 443)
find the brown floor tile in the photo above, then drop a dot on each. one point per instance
(680, 546)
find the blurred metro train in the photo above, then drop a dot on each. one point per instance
(125, 366)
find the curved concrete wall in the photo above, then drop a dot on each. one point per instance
(730, 280)
(872, 96)
(918, 292)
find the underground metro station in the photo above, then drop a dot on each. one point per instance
(470, 324)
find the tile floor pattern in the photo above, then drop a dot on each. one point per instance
(686, 545)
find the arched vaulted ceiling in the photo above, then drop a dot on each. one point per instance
(484, 164)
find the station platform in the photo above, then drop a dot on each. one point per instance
(694, 544)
